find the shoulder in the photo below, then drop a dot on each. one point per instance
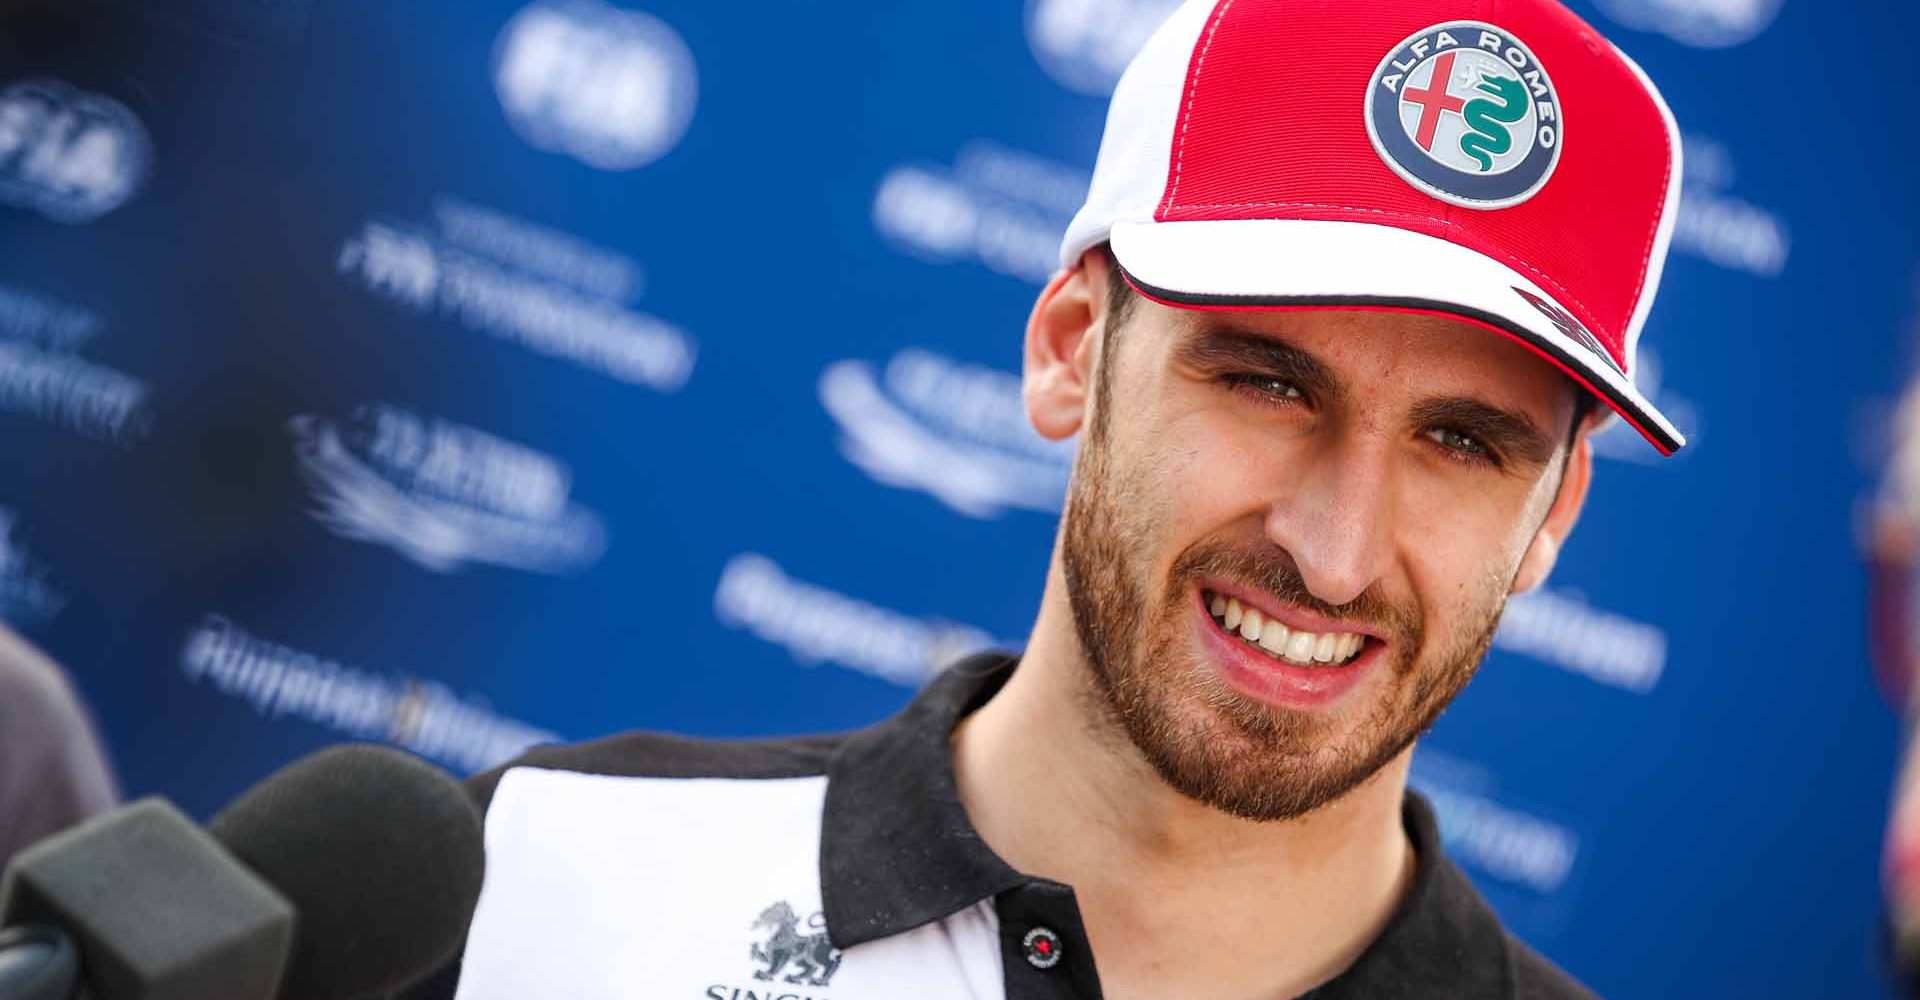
(664, 755)
(30, 684)
(1535, 977)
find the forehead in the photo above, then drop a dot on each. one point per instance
(1411, 352)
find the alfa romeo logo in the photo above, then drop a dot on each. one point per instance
(1465, 113)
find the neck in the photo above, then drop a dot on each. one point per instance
(1056, 790)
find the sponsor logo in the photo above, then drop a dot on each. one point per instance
(1532, 858)
(44, 322)
(818, 625)
(1464, 112)
(956, 431)
(1560, 629)
(545, 290)
(1086, 44)
(70, 155)
(1718, 226)
(25, 595)
(610, 87)
(1570, 327)
(422, 716)
(42, 375)
(1001, 208)
(804, 958)
(443, 495)
(1705, 24)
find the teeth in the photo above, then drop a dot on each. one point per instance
(1273, 637)
(1300, 648)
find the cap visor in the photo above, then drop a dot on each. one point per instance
(1292, 263)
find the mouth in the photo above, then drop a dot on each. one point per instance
(1294, 646)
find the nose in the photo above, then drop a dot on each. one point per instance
(1334, 514)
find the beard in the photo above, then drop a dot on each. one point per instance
(1206, 740)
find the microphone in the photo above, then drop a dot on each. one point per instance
(346, 875)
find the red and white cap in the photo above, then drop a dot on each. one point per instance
(1500, 163)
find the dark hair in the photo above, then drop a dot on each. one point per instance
(1121, 298)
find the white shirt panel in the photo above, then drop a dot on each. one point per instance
(612, 888)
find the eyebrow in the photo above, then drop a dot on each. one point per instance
(1217, 349)
(1508, 432)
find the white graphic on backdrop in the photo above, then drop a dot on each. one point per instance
(613, 88)
(43, 376)
(537, 287)
(1560, 629)
(70, 155)
(1086, 44)
(817, 625)
(1706, 24)
(956, 431)
(423, 716)
(995, 206)
(1494, 837)
(444, 495)
(1718, 226)
(25, 595)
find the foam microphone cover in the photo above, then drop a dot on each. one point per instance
(159, 910)
(381, 854)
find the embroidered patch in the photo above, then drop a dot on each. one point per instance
(1464, 112)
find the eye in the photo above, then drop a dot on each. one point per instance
(1462, 445)
(1265, 388)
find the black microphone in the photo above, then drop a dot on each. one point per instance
(346, 875)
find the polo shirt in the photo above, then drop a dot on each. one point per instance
(844, 868)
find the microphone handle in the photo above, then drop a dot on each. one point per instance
(38, 962)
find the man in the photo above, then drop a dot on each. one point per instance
(1350, 278)
(52, 771)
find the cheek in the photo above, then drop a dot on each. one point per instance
(1210, 473)
(1462, 551)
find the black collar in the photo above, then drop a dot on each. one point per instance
(897, 851)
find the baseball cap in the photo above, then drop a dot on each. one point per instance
(1501, 163)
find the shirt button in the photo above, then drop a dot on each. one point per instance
(1043, 948)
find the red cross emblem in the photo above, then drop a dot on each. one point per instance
(1435, 100)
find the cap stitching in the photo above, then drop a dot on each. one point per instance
(1186, 113)
(1546, 281)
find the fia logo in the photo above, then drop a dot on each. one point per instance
(71, 155)
(813, 957)
(1703, 24)
(1086, 44)
(610, 87)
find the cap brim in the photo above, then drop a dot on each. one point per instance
(1291, 263)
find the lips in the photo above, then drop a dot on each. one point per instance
(1300, 647)
(1295, 676)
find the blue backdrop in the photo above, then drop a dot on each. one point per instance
(469, 374)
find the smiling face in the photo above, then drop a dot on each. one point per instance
(1290, 534)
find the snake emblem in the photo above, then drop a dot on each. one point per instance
(1489, 118)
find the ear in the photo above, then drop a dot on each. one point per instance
(1062, 338)
(1561, 517)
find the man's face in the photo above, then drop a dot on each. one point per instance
(1355, 491)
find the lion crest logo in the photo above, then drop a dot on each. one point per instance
(812, 957)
